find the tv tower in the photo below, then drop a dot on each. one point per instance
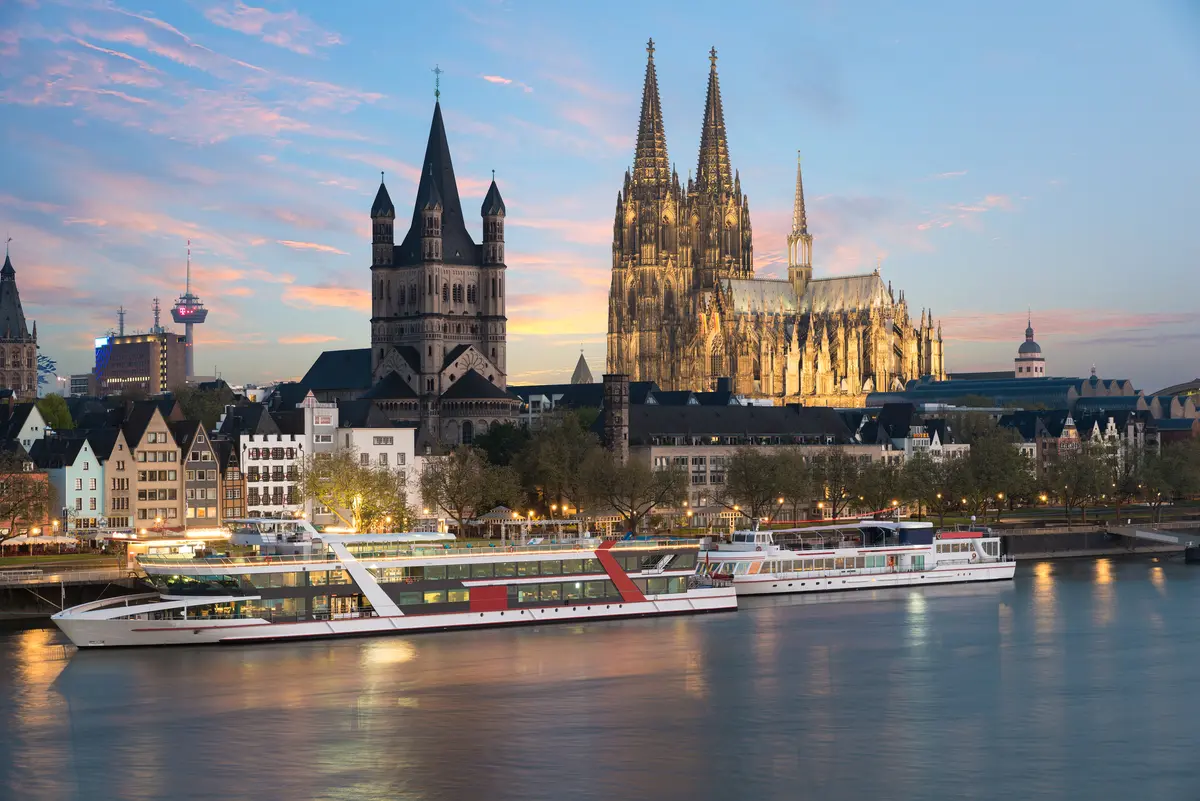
(189, 310)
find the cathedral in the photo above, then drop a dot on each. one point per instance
(685, 309)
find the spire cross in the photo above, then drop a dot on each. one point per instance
(437, 81)
(712, 56)
(381, 176)
(650, 48)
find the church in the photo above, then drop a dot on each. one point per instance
(438, 324)
(684, 306)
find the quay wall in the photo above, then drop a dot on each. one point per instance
(31, 601)
(1092, 540)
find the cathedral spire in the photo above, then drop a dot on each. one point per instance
(650, 163)
(713, 172)
(799, 240)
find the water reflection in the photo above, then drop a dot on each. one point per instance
(1056, 685)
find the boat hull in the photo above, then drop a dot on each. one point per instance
(958, 574)
(96, 633)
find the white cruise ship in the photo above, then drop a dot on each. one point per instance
(305, 585)
(865, 554)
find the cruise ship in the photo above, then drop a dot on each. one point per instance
(309, 585)
(858, 555)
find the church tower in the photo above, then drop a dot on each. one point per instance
(18, 348)
(799, 240)
(438, 313)
(650, 281)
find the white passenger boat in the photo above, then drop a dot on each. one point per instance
(302, 585)
(866, 554)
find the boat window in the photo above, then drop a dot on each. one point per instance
(317, 578)
(572, 567)
(506, 569)
(839, 563)
(593, 589)
(551, 592)
(408, 598)
(458, 571)
(918, 561)
(552, 567)
(320, 606)
(435, 596)
(339, 577)
(656, 586)
(524, 595)
(592, 566)
(684, 561)
(458, 596)
(573, 590)
(527, 568)
(435, 572)
(481, 570)
(741, 569)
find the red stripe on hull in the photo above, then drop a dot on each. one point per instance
(629, 591)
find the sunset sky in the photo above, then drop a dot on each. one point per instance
(992, 157)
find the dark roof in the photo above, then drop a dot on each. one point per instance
(411, 355)
(786, 423)
(287, 395)
(56, 452)
(185, 434)
(1029, 348)
(383, 206)
(227, 453)
(13, 418)
(493, 204)
(251, 419)
(138, 419)
(362, 413)
(1108, 404)
(681, 397)
(454, 353)
(639, 391)
(896, 419)
(1032, 423)
(289, 421)
(940, 429)
(12, 316)
(340, 369)
(572, 396)
(473, 386)
(995, 375)
(103, 440)
(716, 398)
(391, 387)
(437, 179)
(1176, 424)
(1186, 388)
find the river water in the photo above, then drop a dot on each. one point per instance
(1077, 680)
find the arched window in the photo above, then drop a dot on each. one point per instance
(632, 302)
(445, 293)
(468, 432)
(669, 301)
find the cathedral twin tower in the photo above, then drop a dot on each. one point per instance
(686, 310)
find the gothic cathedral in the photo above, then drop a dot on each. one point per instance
(685, 309)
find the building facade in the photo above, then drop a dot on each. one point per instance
(77, 478)
(685, 308)
(155, 456)
(152, 363)
(18, 343)
(201, 476)
(437, 298)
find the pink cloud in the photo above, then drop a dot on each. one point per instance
(496, 79)
(306, 297)
(288, 29)
(29, 205)
(308, 339)
(238, 291)
(294, 245)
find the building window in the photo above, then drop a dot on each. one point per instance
(78, 484)
(382, 440)
(383, 460)
(91, 504)
(92, 484)
(468, 432)
(364, 459)
(445, 293)
(400, 458)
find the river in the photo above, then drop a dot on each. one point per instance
(1076, 680)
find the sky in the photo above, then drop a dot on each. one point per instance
(992, 158)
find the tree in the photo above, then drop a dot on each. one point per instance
(921, 480)
(1079, 478)
(836, 474)
(205, 405)
(796, 485)
(554, 459)
(995, 468)
(55, 412)
(502, 443)
(465, 486)
(46, 367)
(878, 485)
(752, 483)
(363, 497)
(633, 489)
(25, 496)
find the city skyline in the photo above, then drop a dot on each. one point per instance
(988, 163)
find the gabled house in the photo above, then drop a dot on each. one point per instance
(21, 423)
(153, 450)
(201, 475)
(77, 477)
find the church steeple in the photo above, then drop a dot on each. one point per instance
(713, 172)
(650, 162)
(439, 186)
(799, 240)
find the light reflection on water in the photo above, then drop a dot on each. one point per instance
(1073, 681)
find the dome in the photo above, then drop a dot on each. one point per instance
(1029, 348)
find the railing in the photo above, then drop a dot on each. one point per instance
(26, 577)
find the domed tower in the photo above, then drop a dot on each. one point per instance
(1030, 363)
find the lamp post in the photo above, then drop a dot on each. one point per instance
(896, 507)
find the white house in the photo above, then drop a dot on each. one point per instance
(22, 422)
(77, 477)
